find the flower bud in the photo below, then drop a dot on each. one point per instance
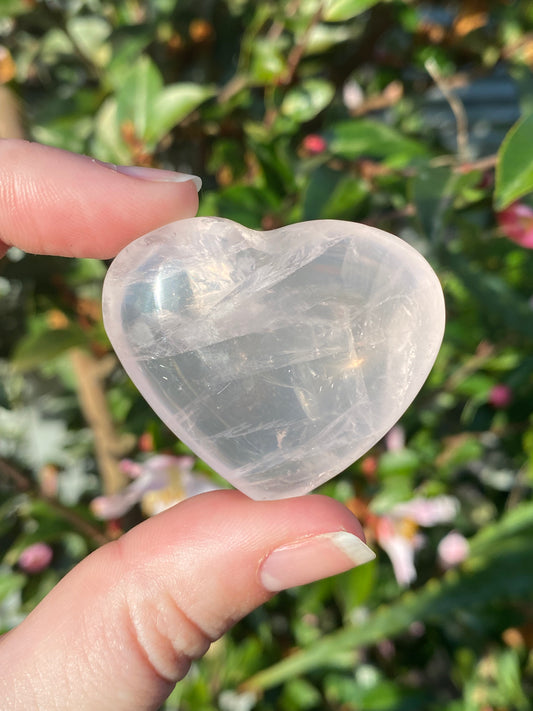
(35, 558)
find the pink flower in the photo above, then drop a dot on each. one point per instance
(314, 144)
(428, 512)
(158, 483)
(452, 550)
(400, 549)
(146, 442)
(369, 466)
(516, 223)
(35, 558)
(397, 532)
(395, 439)
(352, 95)
(500, 396)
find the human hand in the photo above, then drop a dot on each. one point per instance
(123, 626)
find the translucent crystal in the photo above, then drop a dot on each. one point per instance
(278, 357)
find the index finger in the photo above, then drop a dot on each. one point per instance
(56, 202)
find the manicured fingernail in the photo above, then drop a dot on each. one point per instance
(312, 559)
(155, 174)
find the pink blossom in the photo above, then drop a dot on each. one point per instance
(352, 95)
(130, 468)
(395, 439)
(314, 144)
(500, 396)
(35, 558)
(386, 648)
(427, 512)
(159, 482)
(369, 466)
(399, 548)
(516, 223)
(146, 442)
(452, 550)
(397, 531)
(417, 629)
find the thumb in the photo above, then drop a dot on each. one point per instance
(124, 625)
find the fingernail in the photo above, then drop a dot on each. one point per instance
(313, 558)
(154, 174)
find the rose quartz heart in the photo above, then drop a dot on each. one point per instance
(278, 357)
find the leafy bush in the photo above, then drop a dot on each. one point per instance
(415, 117)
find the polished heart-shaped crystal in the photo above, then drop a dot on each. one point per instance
(278, 357)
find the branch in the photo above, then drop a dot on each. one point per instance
(24, 484)
(297, 52)
(456, 106)
(109, 446)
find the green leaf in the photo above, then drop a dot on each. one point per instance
(403, 462)
(67, 132)
(152, 109)
(354, 588)
(364, 137)
(393, 490)
(137, 97)
(108, 144)
(340, 10)
(323, 37)
(366, 689)
(90, 34)
(334, 195)
(37, 348)
(268, 62)
(517, 522)
(9, 8)
(514, 169)
(127, 44)
(300, 694)
(11, 583)
(431, 192)
(171, 106)
(245, 204)
(498, 304)
(277, 171)
(307, 100)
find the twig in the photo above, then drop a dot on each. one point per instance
(24, 485)
(456, 106)
(59, 19)
(109, 446)
(297, 52)
(8, 471)
(11, 124)
(518, 490)
(484, 352)
(481, 164)
(293, 62)
(79, 523)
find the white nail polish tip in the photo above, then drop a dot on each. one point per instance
(351, 546)
(313, 558)
(184, 177)
(157, 175)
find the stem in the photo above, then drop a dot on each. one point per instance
(456, 106)
(297, 52)
(25, 485)
(108, 445)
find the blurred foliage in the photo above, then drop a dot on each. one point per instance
(416, 117)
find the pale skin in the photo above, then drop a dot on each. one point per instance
(122, 627)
